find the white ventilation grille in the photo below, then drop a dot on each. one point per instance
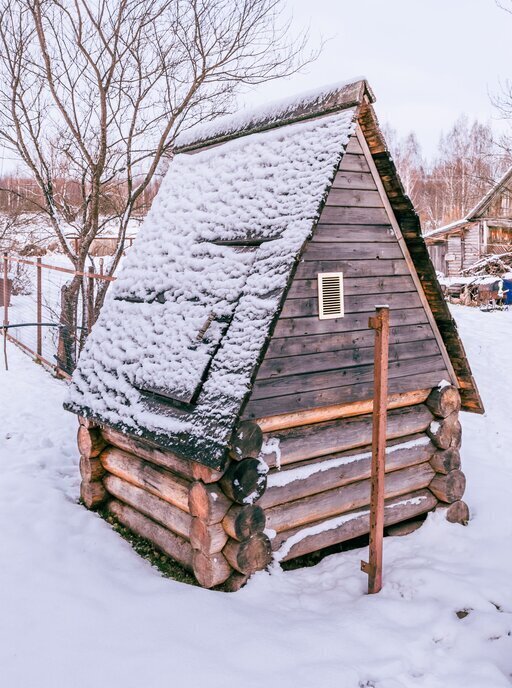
(330, 295)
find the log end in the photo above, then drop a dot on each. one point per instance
(247, 441)
(253, 554)
(446, 432)
(446, 460)
(91, 470)
(444, 400)
(87, 422)
(210, 570)
(245, 481)
(207, 502)
(92, 494)
(207, 538)
(448, 488)
(235, 582)
(458, 512)
(243, 521)
(205, 474)
(90, 442)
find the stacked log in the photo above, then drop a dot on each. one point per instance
(205, 519)
(445, 431)
(227, 528)
(318, 485)
(308, 487)
(90, 444)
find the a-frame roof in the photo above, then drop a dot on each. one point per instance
(182, 330)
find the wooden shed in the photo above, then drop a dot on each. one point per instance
(486, 230)
(225, 393)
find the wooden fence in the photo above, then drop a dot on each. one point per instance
(30, 298)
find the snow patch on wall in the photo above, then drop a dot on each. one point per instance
(304, 472)
(332, 523)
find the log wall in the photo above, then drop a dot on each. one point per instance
(204, 519)
(318, 485)
(309, 488)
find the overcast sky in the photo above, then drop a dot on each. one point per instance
(428, 61)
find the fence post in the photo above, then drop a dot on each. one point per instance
(6, 306)
(379, 323)
(39, 294)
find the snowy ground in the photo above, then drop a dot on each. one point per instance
(79, 608)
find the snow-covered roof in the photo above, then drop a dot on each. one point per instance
(178, 339)
(445, 229)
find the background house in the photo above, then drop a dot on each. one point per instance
(486, 230)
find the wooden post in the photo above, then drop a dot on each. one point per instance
(380, 323)
(39, 295)
(6, 307)
(90, 304)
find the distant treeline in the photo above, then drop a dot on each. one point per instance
(468, 162)
(20, 194)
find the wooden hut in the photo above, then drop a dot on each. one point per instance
(485, 230)
(225, 392)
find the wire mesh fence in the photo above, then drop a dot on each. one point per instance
(31, 298)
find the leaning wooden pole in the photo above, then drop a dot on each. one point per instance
(380, 323)
(39, 293)
(6, 306)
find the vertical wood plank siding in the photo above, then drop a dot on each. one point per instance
(310, 362)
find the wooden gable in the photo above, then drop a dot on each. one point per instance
(500, 205)
(311, 363)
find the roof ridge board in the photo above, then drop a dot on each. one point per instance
(321, 104)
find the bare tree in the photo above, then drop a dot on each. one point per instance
(410, 164)
(96, 92)
(468, 161)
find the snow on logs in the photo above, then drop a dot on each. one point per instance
(320, 439)
(340, 500)
(335, 470)
(304, 539)
(245, 481)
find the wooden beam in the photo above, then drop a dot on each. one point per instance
(380, 323)
(356, 408)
